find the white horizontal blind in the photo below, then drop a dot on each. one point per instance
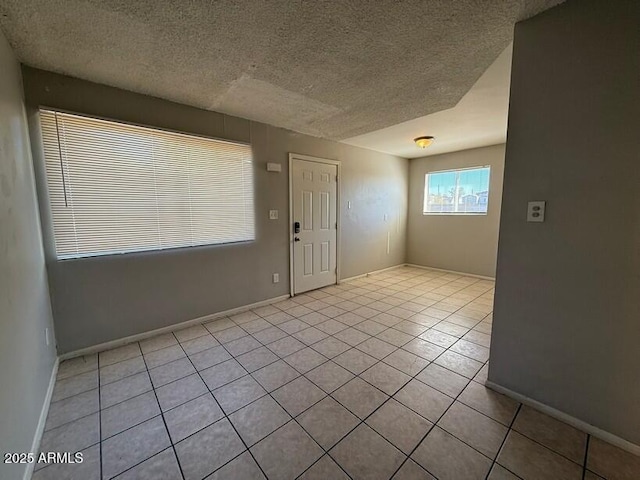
(116, 188)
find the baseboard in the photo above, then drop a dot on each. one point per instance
(566, 418)
(169, 328)
(44, 411)
(362, 275)
(483, 277)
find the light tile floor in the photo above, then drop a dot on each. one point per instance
(381, 377)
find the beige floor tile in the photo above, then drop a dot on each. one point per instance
(190, 333)
(162, 466)
(612, 462)
(190, 417)
(371, 327)
(181, 391)
(158, 342)
(385, 377)
(298, 395)
(423, 349)
(355, 361)
(412, 471)
(73, 436)
(170, 372)
(275, 375)
(324, 469)
(474, 428)
(242, 467)
(256, 359)
(258, 419)
(223, 373)
(329, 376)
(360, 397)
(305, 360)
(286, 346)
(310, 335)
(424, 400)
(242, 345)
(124, 389)
(365, 454)
(492, 404)
(269, 335)
(327, 422)
(210, 357)
(209, 449)
(498, 472)
(530, 460)
(447, 458)
(72, 408)
(439, 338)
(75, 366)
(460, 364)
(199, 344)
(406, 362)
(118, 371)
(165, 355)
(118, 418)
(290, 442)
(235, 395)
(471, 350)
(552, 433)
(119, 354)
(399, 425)
(352, 336)
(444, 380)
(89, 469)
(133, 446)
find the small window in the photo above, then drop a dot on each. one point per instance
(457, 192)
(118, 188)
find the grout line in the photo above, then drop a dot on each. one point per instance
(162, 415)
(225, 415)
(99, 414)
(504, 440)
(586, 456)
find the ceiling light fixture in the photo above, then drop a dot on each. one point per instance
(423, 142)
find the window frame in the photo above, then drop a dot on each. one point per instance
(425, 192)
(147, 251)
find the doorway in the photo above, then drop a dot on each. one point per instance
(314, 222)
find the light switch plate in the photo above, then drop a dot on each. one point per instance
(274, 167)
(273, 214)
(535, 211)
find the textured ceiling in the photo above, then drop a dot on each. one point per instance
(479, 119)
(329, 68)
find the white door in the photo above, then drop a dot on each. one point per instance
(314, 230)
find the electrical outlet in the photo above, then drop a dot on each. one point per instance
(535, 211)
(276, 277)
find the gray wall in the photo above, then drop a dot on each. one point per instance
(567, 309)
(25, 310)
(464, 243)
(105, 298)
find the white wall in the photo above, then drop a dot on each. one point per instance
(26, 362)
(462, 243)
(567, 305)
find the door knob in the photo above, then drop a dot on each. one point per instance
(296, 239)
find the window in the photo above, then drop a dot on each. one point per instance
(118, 188)
(457, 192)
